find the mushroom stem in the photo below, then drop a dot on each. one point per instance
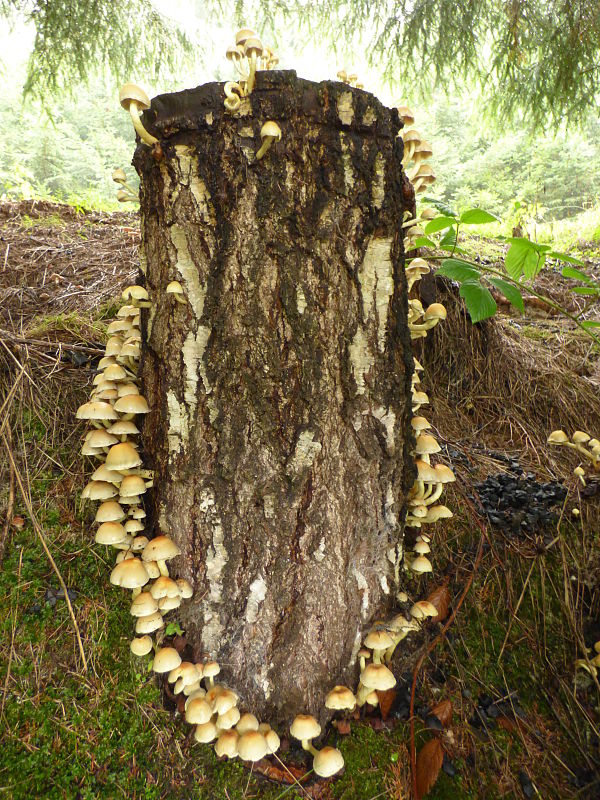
(268, 141)
(252, 75)
(146, 137)
(162, 566)
(307, 745)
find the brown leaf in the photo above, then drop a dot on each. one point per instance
(443, 711)
(429, 764)
(386, 701)
(342, 725)
(440, 598)
(18, 523)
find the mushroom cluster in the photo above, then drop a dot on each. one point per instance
(416, 152)
(584, 445)
(134, 100)
(126, 194)
(247, 55)
(350, 78)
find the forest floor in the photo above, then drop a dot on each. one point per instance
(519, 721)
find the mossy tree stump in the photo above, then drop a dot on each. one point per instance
(280, 388)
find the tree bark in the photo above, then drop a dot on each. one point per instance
(280, 388)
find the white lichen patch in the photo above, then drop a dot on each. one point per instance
(388, 420)
(269, 506)
(186, 162)
(369, 117)
(376, 284)
(195, 290)
(378, 185)
(384, 584)
(300, 300)
(246, 132)
(305, 452)
(355, 648)
(263, 681)
(385, 286)
(179, 426)
(319, 553)
(363, 588)
(164, 525)
(216, 559)
(361, 359)
(209, 118)
(150, 321)
(346, 163)
(345, 108)
(258, 592)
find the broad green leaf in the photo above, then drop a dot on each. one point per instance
(511, 292)
(479, 301)
(596, 235)
(441, 206)
(458, 271)
(477, 216)
(533, 265)
(520, 259)
(592, 291)
(439, 224)
(450, 238)
(576, 274)
(564, 257)
(591, 323)
(423, 241)
(521, 241)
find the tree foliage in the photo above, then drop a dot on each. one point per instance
(74, 38)
(538, 58)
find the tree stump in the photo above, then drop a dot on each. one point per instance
(280, 387)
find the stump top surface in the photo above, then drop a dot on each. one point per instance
(277, 95)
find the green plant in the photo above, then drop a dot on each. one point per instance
(523, 262)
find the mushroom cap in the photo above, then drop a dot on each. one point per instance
(123, 456)
(206, 732)
(426, 444)
(110, 533)
(304, 727)
(227, 744)
(272, 129)
(247, 722)
(129, 574)
(252, 746)
(421, 548)
(132, 486)
(132, 404)
(96, 409)
(149, 624)
(110, 511)
(423, 609)
(228, 719)
(98, 490)
(411, 135)
(166, 659)
(443, 474)
(340, 697)
(130, 93)
(123, 427)
(198, 711)
(434, 513)
(163, 586)
(143, 605)
(378, 640)
(134, 526)
(420, 424)
(107, 475)
(328, 761)
(174, 288)
(243, 35)
(272, 740)
(100, 437)
(557, 437)
(425, 472)
(185, 588)
(161, 548)
(377, 676)
(210, 669)
(141, 646)
(168, 603)
(253, 45)
(580, 437)
(225, 701)
(421, 564)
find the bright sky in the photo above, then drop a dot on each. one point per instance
(310, 60)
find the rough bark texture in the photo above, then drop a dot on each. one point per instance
(280, 390)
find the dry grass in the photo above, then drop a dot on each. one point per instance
(497, 388)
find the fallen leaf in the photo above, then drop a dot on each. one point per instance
(342, 725)
(443, 711)
(18, 523)
(429, 764)
(386, 701)
(440, 598)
